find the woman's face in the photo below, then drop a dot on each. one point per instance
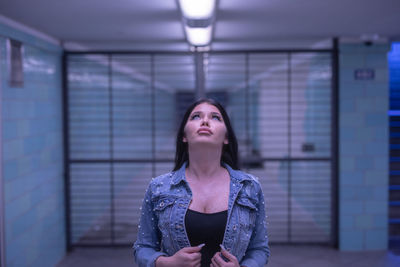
(205, 125)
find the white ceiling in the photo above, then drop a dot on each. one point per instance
(240, 24)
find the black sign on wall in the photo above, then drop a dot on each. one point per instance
(15, 64)
(364, 74)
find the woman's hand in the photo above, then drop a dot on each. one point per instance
(186, 257)
(218, 261)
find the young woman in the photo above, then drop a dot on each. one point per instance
(205, 212)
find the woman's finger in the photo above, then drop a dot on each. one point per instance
(195, 256)
(228, 255)
(198, 262)
(219, 260)
(214, 261)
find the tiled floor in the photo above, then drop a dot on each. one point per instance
(282, 256)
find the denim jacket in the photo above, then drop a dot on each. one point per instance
(162, 223)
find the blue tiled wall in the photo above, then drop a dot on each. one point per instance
(33, 154)
(363, 149)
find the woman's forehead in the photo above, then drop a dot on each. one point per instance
(205, 107)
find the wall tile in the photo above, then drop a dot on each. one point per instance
(375, 89)
(380, 221)
(352, 60)
(382, 75)
(353, 90)
(17, 207)
(377, 148)
(347, 222)
(23, 127)
(376, 239)
(365, 135)
(351, 177)
(355, 193)
(33, 167)
(376, 177)
(9, 130)
(351, 240)
(347, 75)
(376, 207)
(381, 165)
(376, 119)
(351, 207)
(363, 221)
(354, 148)
(12, 149)
(381, 192)
(348, 163)
(364, 163)
(376, 60)
(348, 135)
(348, 193)
(364, 104)
(10, 169)
(382, 134)
(352, 119)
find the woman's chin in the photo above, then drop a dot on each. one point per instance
(206, 143)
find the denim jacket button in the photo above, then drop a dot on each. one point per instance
(234, 227)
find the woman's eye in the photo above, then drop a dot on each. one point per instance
(216, 117)
(195, 116)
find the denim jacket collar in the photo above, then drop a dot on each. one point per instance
(179, 175)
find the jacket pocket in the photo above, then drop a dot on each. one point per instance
(247, 202)
(163, 206)
(163, 203)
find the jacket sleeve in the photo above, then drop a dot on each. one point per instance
(147, 246)
(258, 251)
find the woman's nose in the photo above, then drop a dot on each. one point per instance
(204, 121)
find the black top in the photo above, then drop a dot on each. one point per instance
(207, 228)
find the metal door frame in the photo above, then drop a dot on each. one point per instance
(334, 125)
(2, 213)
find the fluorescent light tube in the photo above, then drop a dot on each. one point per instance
(198, 36)
(197, 9)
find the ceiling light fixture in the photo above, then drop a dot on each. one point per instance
(198, 36)
(198, 17)
(197, 9)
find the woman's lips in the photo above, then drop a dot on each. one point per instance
(204, 131)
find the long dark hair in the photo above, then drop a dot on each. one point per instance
(229, 151)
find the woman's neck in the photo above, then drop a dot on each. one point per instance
(204, 163)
